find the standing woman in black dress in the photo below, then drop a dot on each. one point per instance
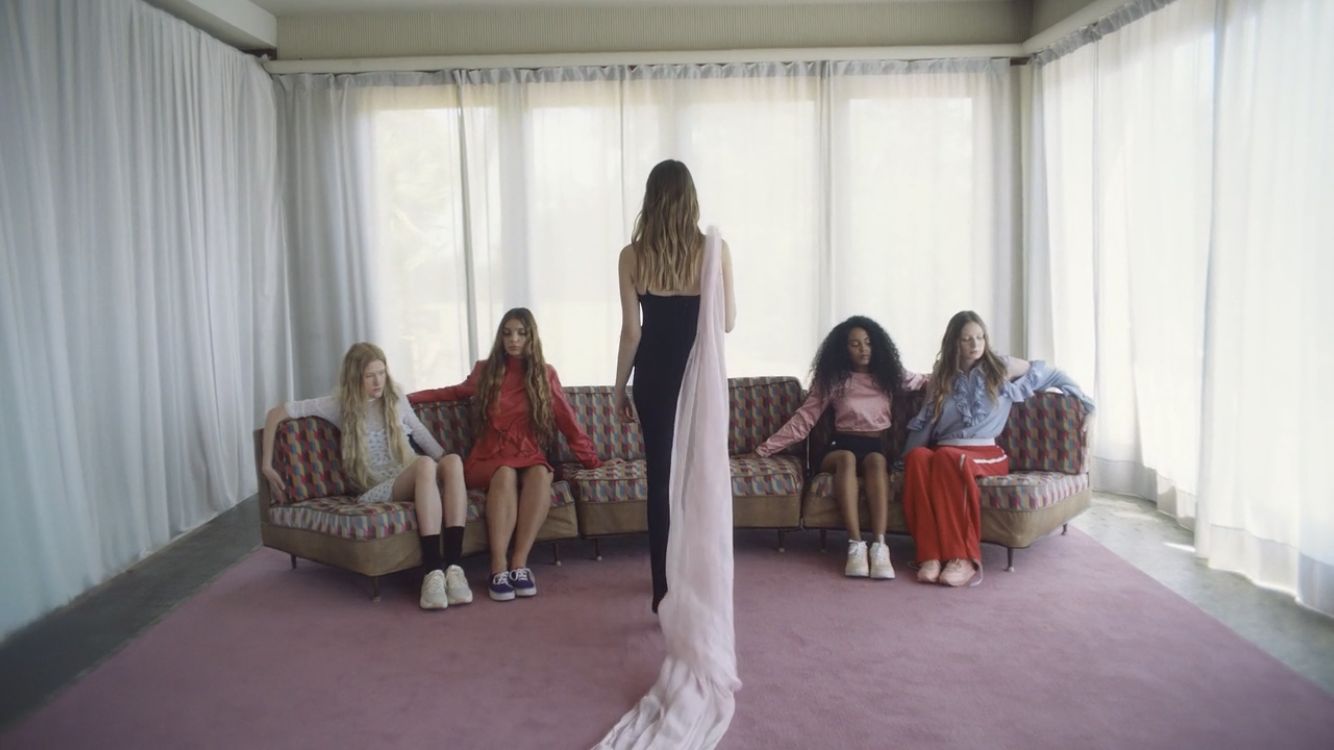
(660, 278)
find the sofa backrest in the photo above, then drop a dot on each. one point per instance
(1048, 432)
(596, 412)
(759, 407)
(308, 456)
(450, 422)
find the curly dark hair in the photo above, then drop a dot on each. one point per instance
(832, 366)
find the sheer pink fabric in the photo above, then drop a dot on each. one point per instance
(691, 704)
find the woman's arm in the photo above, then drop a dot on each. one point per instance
(920, 428)
(569, 425)
(425, 440)
(275, 416)
(1016, 368)
(464, 390)
(797, 427)
(729, 297)
(630, 333)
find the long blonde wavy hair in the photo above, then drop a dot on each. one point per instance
(669, 247)
(535, 382)
(947, 361)
(353, 407)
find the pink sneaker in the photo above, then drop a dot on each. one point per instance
(957, 573)
(929, 572)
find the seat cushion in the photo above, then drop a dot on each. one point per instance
(776, 476)
(1030, 490)
(610, 483)
(345, 518)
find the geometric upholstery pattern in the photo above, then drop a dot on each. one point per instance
(595, 411)
(610, 483)
(307, 455)
(449, 422)
(344, 517)
(1029, 490)
(1046, 433)
(759, 406)
(776, 476)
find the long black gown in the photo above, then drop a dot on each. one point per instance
(667, 334)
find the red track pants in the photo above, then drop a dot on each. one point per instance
(941, 500)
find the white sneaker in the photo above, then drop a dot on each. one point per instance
(881, 567)
(433, 591)
(857, 566)
(456, 586)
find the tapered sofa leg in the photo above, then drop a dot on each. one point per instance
(1009, 559)
(597, 549)
(1065, 527)
(555, 553)
(293, 560)
(822, 540)
(375, 588)
(780, 541)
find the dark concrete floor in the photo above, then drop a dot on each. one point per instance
(40, 660)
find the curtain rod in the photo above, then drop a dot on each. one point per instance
(564, 59)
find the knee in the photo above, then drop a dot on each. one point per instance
(875, 463)
(843, 461)
(450, 465)
(424, 467)
(505, 479)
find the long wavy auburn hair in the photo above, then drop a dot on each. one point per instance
(535, 382)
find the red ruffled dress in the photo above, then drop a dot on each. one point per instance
(511, 441)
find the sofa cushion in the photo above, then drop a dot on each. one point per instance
(759, 406)
(776, 476)
(450, 422)
(1046, 433)
(1030, 490)
(610, 483)
(307, 455)
(560, 497)
(344, 517)
(596, 413)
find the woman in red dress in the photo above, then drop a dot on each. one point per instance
(518, 406)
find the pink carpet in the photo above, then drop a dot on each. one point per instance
(1076, 649)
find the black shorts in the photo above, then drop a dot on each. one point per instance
(860, 446)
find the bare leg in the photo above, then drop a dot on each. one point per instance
(534, 504)
(502, 499)
(454, 495)
(417, 483)
(843, 465)
(875, 473)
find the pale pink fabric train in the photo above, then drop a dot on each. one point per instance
(691, 704)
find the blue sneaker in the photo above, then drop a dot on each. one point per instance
(523, 582)
(501, 590)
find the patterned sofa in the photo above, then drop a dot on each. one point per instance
(319, 519)
(612, 499)
(1046, 439)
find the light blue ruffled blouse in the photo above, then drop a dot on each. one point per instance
(970, 414)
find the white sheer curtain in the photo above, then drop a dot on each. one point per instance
(1180, 145)
(841, 187)
(1267, 507)
(375, 225)
(142, 298)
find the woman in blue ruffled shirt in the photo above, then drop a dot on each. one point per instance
(968, 401)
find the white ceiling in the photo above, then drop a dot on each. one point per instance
(293, 7)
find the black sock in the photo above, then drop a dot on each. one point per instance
(453, 537)
(431, 553)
